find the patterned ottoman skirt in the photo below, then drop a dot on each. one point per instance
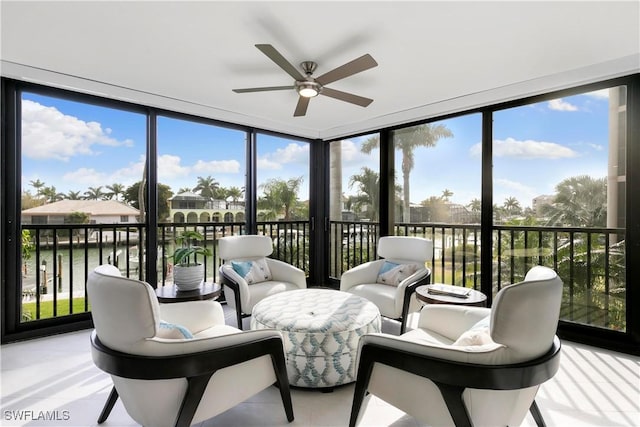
(321, 329)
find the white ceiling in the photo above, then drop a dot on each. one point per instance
(434, 57)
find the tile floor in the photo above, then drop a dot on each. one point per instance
(594, 387)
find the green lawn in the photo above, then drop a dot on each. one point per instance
(46, 309)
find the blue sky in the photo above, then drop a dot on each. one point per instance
(75, 146)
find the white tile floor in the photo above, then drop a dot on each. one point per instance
(594, 387)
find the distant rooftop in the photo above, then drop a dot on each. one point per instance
(91, 207)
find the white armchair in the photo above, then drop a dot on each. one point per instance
(248, 275)
(394, 299)
(467, 366)
(176, 364)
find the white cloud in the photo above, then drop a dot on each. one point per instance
(216, 166)
(89, 177)
(48, 133)
(351, 153)
(292, 153)
(600, 94)
(504, 188)
(170, 167)
(267, 164)
(560, 105)
(528, 149)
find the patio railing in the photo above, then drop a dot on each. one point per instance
(58, 258)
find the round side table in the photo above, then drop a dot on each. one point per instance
(475, 298)
(171, 294)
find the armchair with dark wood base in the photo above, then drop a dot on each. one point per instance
(177, 364)
(469, 366)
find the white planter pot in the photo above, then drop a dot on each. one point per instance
(188, 278)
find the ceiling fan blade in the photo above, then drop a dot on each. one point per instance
(301, 108)
(280, 60)
(262, 89)
(347, 97)
(350, 68)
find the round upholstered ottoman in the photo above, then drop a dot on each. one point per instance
(321, 329)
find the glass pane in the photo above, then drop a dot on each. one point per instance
(353, 202)
(201, 183)
(283, 197)
(559, 194)
(78, 161)
(438, 189)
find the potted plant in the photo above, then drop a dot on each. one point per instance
(187, 273)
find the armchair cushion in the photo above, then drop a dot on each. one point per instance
(252, 271)
(392, 273)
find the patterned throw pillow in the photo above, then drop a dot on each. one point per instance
(392, 273)
(173, 331)
(255, 271)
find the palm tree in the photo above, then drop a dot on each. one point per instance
(208, 187)
(446, 194)
(580, 201)
(94, 193)
(512, 206)
(73, 195)
(368, 185)
(280, 195)
(37, 185)
(235, 193)
(184, 190)
(115, 190)
(406, 140)
(50, 194)
(475, 205)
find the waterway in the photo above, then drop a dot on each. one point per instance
(69, 269)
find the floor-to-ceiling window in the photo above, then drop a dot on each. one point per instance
(79, 166)
(201, 170)
(354, 202)
(559, 192)
(438, 192)
(282, 176)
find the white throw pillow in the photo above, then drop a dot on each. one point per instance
(255, 271)
(173, 331)
(478, 334)
(392, 273)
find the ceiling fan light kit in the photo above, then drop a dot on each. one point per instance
(309, 87)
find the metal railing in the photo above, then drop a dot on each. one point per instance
(589, 261)
(57, 259)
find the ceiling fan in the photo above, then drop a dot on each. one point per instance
(308, 86)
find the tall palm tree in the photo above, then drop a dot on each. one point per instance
(50, 194)
(368, 186)
(94, 193)
(235, 193)
(37, 185)
(281, 195)
(475, 205)
(115, 191)
(184, 190)
(407, 140)
(73, 195)
(580, 201)
(208, 187)
(512, 206)
(446, 194)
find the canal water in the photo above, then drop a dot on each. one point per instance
(69, 265)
